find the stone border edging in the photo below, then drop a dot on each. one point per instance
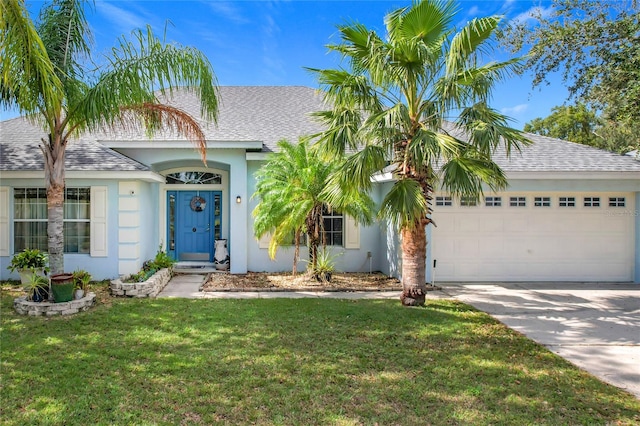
(314, 289)
(26, 307)
(149, 288)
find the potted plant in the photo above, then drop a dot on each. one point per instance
(37, 287)
(81, 279)
(27, 262)
(62, 286)
(325, 266)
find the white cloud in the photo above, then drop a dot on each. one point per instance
(533, 14)
(473, 11)
(515, 109)
(227, 10)
(124, 20)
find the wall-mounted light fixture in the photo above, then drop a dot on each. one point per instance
(238, 199)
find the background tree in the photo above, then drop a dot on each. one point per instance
(575, 123)
(580, 124)
(596, 47)
(45, 73)
(391, 104)
(293, 187)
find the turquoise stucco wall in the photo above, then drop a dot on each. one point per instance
(347, 260)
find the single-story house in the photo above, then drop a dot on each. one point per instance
(570, 213)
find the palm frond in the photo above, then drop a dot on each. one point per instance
(468, 40)
(138, 69)
(425, 21)
(28, 79)
(405, 204)
(464, 175)
(155, 116)
(67, 36)
(488, 129)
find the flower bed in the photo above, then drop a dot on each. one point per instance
(26, 307)
(149, 288)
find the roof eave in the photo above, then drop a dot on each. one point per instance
(143, 175)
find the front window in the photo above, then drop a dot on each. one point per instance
(333, 226)
(30, 219)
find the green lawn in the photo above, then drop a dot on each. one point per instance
(289, 361)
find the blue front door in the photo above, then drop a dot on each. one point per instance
(194, 224)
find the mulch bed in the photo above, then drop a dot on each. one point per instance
(263, 281)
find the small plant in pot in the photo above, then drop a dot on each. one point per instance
(27, 262)
(37, 287)
(81, 279)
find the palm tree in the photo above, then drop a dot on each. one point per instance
(293, 188)
(391, 105)
(45, 72)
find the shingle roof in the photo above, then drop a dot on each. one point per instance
(247, 113)
(555, 155)
(547, 154)
(19, 150)
(268, 114)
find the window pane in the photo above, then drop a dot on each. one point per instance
(70, 210)
(31, 235)
(30, 214)
(193, 177)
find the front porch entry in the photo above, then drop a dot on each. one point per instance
(194, 222)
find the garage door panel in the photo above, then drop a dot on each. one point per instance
(515, 224)
(534, 243)
(467, 223)
(490, 223)
(617, 224)
(466, 270)
(466, 248)
(491, 248)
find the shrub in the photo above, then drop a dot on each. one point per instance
(29, 259)
(150, 267)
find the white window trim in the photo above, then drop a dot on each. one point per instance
(4, 221)
(99, 233)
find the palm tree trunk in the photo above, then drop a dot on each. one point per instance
(414, 253)
(54, 179)
(314, 233)
(296, 253)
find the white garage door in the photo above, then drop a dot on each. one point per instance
(535, 237)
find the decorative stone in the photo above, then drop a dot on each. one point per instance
(24, 307)
(149, 288)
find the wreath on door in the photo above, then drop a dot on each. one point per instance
(198, 204)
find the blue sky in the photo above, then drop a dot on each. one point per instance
(263, 42)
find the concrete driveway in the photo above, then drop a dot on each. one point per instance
(596, 326)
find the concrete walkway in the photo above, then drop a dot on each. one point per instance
(596, 326)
